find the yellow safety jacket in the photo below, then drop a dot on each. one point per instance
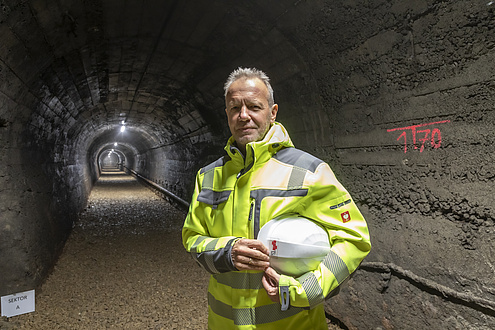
(235, 196)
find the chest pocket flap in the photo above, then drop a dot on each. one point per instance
(213, 198)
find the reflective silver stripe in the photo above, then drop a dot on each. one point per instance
(209, 172)
(312, 288)
(208, 257)
(299, 158)
(198, 241)
(308, 162)
(337, 266)
(240, 280)
(214, 260)
(207, 195)
(211, 245)
(202, 262)
(207, 262)
(218, 163)
(251, 316)
(296, 179)
(208, 179)
(208, 167)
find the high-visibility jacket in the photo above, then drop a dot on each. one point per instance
(235, 196)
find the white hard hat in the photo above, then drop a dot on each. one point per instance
(297, 245)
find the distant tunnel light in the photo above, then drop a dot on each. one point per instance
(122, 128)
(115, 144)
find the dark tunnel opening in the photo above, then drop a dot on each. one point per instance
(111, 159)
(395, 96)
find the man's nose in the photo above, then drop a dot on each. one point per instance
(244, 113)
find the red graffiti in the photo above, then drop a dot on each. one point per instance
(423, 136)
(274, 245)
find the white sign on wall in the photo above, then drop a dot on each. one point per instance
(18, 303)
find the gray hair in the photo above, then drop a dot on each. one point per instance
(249, 73)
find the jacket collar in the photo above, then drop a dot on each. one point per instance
(261, 151)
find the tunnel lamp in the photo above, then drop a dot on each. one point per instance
(115, 144)
(122, 128)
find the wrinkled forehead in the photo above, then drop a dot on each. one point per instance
(252, 87)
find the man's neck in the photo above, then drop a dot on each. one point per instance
(242, 148)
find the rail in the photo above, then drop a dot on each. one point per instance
(170, 194)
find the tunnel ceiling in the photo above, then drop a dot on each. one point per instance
(158, 66)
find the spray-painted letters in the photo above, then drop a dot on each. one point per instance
(421, 136)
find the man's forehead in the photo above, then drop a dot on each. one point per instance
(249, 85)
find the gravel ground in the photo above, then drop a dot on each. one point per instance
(123, 267)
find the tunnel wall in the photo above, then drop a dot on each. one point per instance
(174, 167)
(44, 180)
(386, 71)
(40, 200)
(354, 81)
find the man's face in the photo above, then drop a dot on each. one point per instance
(248, 112)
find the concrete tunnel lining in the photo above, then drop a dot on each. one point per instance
(343, 73)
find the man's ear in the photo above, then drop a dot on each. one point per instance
(274, 111)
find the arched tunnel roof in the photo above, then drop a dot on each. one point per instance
(158, 66)
(353, 81)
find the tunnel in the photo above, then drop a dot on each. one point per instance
(396, 96)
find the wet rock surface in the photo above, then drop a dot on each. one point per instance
(123, 267)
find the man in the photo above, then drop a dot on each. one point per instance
(261, 177)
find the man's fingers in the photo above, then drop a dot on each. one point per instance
(258, 247)
(272, 276)
(255, 244)
(250, 248)
(270, 287)
(252, 264)
(247, 254)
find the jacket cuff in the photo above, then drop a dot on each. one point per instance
(230, 260)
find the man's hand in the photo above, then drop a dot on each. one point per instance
(250, 254)
(270, 283)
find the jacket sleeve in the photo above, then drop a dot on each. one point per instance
(211, 253)
(330, 205)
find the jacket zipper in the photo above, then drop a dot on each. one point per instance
(251, 210)
(251, 214)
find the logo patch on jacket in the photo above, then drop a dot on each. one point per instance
(345, 216)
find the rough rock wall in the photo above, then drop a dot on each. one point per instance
(37, 211)
(409, 88)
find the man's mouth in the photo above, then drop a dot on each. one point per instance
(245, 129)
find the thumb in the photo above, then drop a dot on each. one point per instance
(272, 274)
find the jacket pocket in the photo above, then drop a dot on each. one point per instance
(213, 198)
